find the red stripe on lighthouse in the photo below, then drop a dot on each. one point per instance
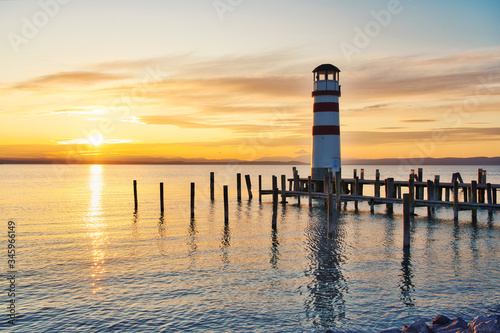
(326, 107)
(326, 130)
(326, 93)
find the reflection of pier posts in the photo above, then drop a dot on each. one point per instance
(407, 287)
(406, 220)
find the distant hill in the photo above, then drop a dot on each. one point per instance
(427, 161)
(281, 160)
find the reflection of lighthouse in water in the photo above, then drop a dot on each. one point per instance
(326, 133)
(327, 286)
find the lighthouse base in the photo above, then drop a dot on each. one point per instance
(320, 173)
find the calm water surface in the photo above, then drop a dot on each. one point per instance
(87, 263)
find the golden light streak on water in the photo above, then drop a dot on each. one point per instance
(96, 226)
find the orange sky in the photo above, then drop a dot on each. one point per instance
(61, 99)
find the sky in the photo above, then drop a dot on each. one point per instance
(92, 81)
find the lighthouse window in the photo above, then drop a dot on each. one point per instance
(322, 76)
(331, 76)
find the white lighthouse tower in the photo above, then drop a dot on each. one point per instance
(326, 134)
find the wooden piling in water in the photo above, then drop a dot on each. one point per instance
(331, 209)
(226, 204)
(406, 220)
(275, 202)
(192, 200)
(135, 196)
(238, 186)
(338, 188)
(212, 186)
(420, 188)
(455, 200)
(481, 174)
(411, 190)
(389, 193)
(473, 197)
(489, 199)
(162, 207)
(283, 189)
(438, 190)
(260, 188)
(430, 196)
(356, 192)
(249, 186)
(377, 183)
(309, 190)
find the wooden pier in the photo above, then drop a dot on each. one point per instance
(431, 193)
(337, 191)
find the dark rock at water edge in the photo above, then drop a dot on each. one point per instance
(443, 324)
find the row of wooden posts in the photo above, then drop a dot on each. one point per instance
(212, 194)
(476, 195)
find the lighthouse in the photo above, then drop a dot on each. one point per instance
(326, 134)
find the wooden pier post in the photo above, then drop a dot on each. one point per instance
(226, 204)
(420, 188)
(332, 210)
(135, 196)
(480, 174)
(260, 188)
(338, 188)
(238, 186)
(377, 183)
(438, 190)
(489, 199)
(309, 190)
(283, 189)
(411, 190)
(455, 200)
(389, 193)
(362, 174)
(192, 200)
(275, 202)
(162, 207)
(212, 186)
(431, 197)
(249, 187)
(296, 182)
(356, 192)
(406, 220)
(473, 199)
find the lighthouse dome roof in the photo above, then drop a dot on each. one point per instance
(326, 67)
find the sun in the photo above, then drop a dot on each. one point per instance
(96, 140)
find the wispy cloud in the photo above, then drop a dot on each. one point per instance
(68, 80)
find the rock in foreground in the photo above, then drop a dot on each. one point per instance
(443, 324)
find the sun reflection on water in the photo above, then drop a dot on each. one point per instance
(96, 227)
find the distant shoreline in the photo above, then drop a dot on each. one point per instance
(481, 161)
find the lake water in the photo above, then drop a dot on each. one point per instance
(86, 263)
